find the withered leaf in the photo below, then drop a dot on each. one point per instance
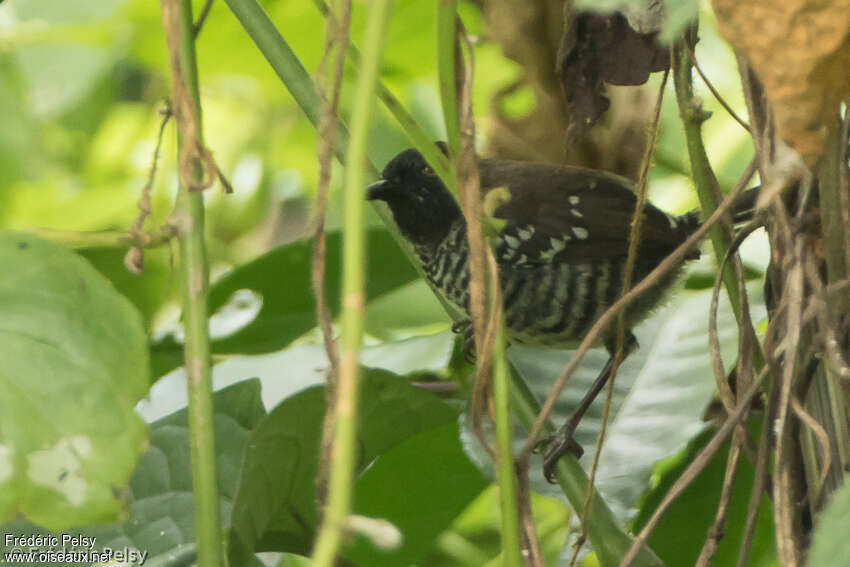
(800, 50)
(598, 49)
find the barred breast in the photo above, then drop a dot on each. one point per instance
(548, 304)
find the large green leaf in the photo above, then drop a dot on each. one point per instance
(831, 546)
(410, 309)
(298, 367)
(664, 408)
(73, 363)
(660, 394)
(280, 279)
(274, 508)
(682, 530)
(148, 290)
(401, 486)
(161, 519)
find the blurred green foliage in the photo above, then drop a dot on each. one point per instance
(81, 88)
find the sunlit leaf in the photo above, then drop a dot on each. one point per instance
(73, 363)
(161, 515)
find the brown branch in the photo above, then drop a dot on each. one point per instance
(336, 39)
(717, 528)
(778, 167)
(819, 305)
(843, 189)
(631, 257)
(196, 167)
(531, 543)
(726, 394)
(134, 258)
(788, 548)
(744, 374)
(823, 438)
(713, 90)
(482, 268)
(761, 480)
(469, 186)
(202, 18)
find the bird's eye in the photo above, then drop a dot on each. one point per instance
(427, 171)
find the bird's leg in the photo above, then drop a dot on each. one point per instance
(464, 328)
(562, 442)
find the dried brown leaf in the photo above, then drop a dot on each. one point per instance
(800, 50)
(597, 49)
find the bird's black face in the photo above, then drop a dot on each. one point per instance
(422, 207)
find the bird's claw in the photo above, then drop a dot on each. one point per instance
(556, 446)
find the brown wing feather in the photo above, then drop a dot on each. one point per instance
(591, 211)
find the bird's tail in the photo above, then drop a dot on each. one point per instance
(743, 210)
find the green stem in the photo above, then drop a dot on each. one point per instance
(504, 444)
(610, 540)
(105, 238)
(343, 451)
(607, 536)
(417, 135)
(189, 208)
(293, 75)
(460, 130)
(447, 69)
(692, 116)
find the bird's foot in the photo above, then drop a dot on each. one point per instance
(556, 446)
(464, 328)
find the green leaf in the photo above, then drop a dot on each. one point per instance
(60, 75)
(474, 536)
(660, 393)
(425, 353)
(679, 14)
(682, 530)
(664, 408)
(413, 309)
(420, 487)
(60, 12)
(290, 560)
(147, 290)
(281, 278)
(161, 519)
(831, 546)
(24, 529)
(73, 364)
(161, 514)
(274, 508)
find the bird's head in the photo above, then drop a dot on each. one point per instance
(422, 206)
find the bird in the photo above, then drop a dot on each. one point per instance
(560, 248)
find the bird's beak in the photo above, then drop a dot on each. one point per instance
(377, 190)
